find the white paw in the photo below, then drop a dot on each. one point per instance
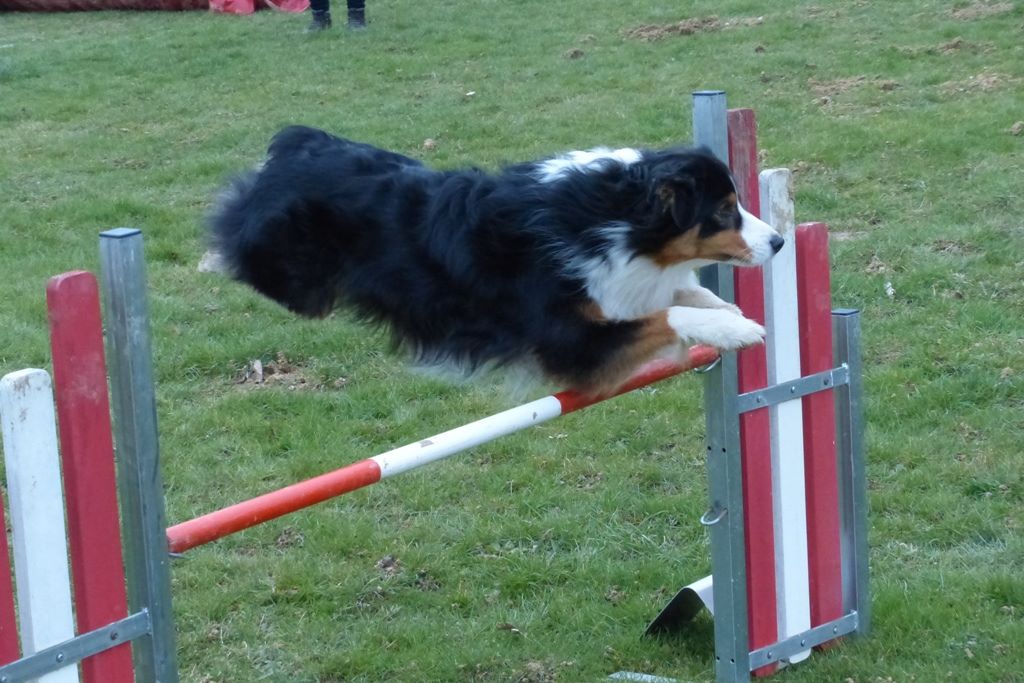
(732, 308)
(718, 327)
(699, 297)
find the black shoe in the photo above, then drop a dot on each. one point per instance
(321, 21)
(357, 19)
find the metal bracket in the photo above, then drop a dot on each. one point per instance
(72, 651)
(793, 389)
(784, 649)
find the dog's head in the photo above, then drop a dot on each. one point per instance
(695, 214)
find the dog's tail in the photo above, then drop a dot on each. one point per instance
(273, 233)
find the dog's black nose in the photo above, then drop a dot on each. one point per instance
(776, 243)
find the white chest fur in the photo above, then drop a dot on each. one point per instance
(627, 288)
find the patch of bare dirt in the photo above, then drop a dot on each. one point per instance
(987, 81)
(818, 12)
(290, 537)
(426, 582)
(981, 10)
(803, 167)
(278, 372)
(825, 92)
(956, 46)
(389, 565)
(689, 27)
(876, 266)
(589, 481)
(615, 595)
(536, 672)
(841, 85)
(953, 247)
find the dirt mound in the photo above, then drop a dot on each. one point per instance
(980, 10)
(688, 27)
(278, 372)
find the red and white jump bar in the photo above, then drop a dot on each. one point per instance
(220, 523)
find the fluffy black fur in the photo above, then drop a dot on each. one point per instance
(464, 266)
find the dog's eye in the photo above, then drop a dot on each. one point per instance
(728, 216)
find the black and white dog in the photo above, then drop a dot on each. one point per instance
(582, 264)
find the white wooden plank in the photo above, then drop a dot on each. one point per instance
(783, 349)
(37, 515)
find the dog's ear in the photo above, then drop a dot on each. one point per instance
(677, 195)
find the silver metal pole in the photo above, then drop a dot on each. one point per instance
(725, 470)
(138, 458)
(852, 475)
(710, 127)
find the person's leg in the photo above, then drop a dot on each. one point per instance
(357, 14)
(321, 10)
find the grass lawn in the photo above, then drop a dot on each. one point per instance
(542, 557)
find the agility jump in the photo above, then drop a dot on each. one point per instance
(787, 512)
(209, 527)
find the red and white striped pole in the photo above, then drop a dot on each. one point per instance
(234, 518)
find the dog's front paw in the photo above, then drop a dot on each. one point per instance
(732, 308)
(699, 297)
(743, 332)
(720, 328)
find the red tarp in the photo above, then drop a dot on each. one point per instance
(227, 6)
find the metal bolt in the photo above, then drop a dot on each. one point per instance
(803, 641)
(792, 390)
(60, 657)
(114, 635)
(769, 654)
(835, 629)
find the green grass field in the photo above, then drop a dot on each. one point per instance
(542, 557)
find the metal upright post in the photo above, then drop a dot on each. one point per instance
(725, 475)
(136, 447)
(852, 475)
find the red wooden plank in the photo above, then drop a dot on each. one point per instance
(755, 437)
(743, 157)
(8, 624)
(87, 453)
(820, 467)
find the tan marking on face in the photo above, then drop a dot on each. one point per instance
(682, 248)
(722, 246)
(725, 245)
(728, 208)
